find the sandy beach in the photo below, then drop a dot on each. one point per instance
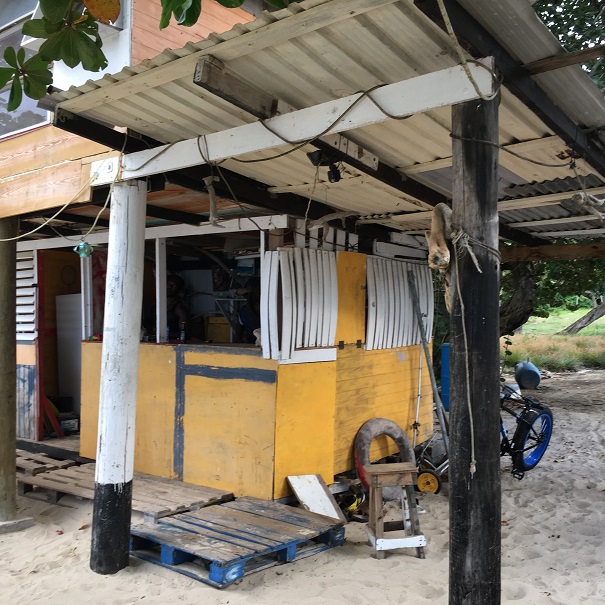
(553, 539)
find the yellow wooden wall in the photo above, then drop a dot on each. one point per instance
(304, 430)
(378, 384)
(229, 421)
(154, 432)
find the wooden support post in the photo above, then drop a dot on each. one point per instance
(474, 409)
(117, 403)
(8, 369)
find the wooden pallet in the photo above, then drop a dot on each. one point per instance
(32, 464)
(221, 544)
(154, 496)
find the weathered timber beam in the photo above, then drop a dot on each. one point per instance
(26, 227)
(565, 60)
(70, 217)
(248, 191)
(519, 254)
(516, 79)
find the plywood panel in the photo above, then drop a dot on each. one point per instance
(148, 41)
(154, 430)
(351, 269)
(46, 188)
(229, 431)
(378, 384)
(41, 148)
(304, 431)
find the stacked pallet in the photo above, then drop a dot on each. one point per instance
(154, 496)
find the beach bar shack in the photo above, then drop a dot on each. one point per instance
(339, 345)
(218, 150)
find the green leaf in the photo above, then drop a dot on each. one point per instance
(6, 73)
(278, 3)
(10, 56)
(168, 7)
(44, 76)
(34, 88)
(192, 14)
(21, 56)
(37, 28)
(89, 53)
(36, 63)
(55, 10)
(16, 95)
(231, 3)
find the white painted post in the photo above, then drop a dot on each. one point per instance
(86, 281)
(117, 404)
(161, 313)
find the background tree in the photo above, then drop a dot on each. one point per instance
(578, 24)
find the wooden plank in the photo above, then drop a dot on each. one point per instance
(564, 60)
(273, 289)
(314, 495)
(300, 297)
(39, 148)
(199, 546)
(515, 254)
(333, 301)
(371, 285)
(327, 299)
(271, 528)
(314, 299)
(44, 188)
(287, 304)
(265, 280)
(215, 531)
(282, 512)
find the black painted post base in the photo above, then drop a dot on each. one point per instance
(111, 528)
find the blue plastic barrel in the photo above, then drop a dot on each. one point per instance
(445, 375)
(527, 375)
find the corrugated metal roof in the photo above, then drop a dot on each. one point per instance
(320, 50)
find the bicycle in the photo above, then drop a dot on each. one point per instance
(530, 437)
(534, 424)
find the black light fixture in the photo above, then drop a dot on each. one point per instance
(333, 174)
(320, 158)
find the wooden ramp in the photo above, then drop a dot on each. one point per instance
(221, 544)
(154, 496)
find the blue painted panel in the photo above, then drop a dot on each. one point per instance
(251, 374)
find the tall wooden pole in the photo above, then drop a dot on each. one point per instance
(8, 370)
(117, 402)
(474, 411)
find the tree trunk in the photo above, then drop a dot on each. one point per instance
(585, 320)
(518, 308)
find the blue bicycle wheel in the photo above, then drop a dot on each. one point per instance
(531, 438)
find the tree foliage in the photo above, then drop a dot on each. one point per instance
(578, 24)
(70, 30)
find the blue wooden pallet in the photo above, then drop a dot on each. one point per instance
(221, 544)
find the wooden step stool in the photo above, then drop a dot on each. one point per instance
(402, 475)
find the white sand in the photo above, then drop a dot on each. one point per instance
(553, 540)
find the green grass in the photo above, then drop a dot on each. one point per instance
(539, 343)
(560, 319)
